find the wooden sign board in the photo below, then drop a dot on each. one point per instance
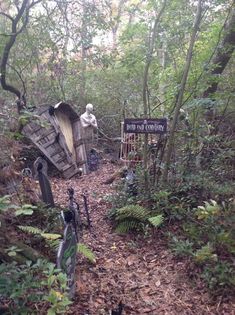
(141, 125)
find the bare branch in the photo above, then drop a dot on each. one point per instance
(7, 15)
(34, 3)
(20, 77)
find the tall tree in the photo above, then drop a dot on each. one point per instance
(223, 53)
(150, 49)
(18, 24)
(180, 95)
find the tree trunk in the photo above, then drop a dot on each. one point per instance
(6, 52)
(179, 99)
(223, 54)
(82, 87)
(145, 86)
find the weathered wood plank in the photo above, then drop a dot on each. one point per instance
(52, 142)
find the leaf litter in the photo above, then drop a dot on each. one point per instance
(140, 272)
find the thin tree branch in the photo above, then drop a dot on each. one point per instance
(7, 15)
(20, 77)
(179, 99)
(149, 58)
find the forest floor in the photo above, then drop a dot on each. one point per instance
(140, 271)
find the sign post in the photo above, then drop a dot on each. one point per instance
(140, 125)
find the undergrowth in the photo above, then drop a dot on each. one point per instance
(23, 287)
(205, 226)
(27, 286)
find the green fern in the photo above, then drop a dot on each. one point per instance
(132, 211)
(51, 239)
(157, 220)
(205, 254)
(128, 225)
(134, 217)
(53, 244)
(50, 236)
(30, 229)
(86, 252)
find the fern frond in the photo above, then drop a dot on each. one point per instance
(157, 220)
(53, 244)
(86, 252)
(50, 236)
(128, 225)
(132, 211)
(30, 229)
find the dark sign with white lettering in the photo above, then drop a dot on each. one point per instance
(132, 125)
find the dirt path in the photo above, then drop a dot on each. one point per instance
(139, 271)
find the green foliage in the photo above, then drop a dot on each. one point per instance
(205, 254)
(52, 239)
(157, 220)
(135, 218)
(219, 277)
(50, 236)
(210, 209)
(56, 284)
(129, 225)
(201, 175)
(210, 242)
(25, 209)
(12, 251)
(30, 229)
(130, 217)
(44, 218)
(119, 200)
(132, 211)
(25, 286)
(27, 116)
(86, 252)
(181, 248)
(4, 203)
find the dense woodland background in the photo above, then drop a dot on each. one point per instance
(131, 58)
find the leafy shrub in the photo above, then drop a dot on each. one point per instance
(23, 286)
(205, 254)
(51, 239)
(181, 248)
(209, 210)
(220, 276)
(210, 242)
